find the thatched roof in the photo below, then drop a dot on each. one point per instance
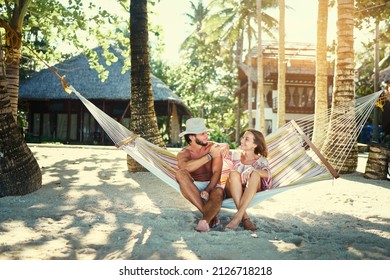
(45, 85)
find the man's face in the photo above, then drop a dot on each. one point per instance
(202, 138)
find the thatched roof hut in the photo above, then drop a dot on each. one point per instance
(44, 85)
(43, 94)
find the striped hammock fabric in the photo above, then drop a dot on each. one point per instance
(294, 161)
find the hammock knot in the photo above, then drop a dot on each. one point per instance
(65, 85)
(126, 141)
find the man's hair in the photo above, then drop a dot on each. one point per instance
(187, 138)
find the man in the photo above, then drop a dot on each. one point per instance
(200, 167)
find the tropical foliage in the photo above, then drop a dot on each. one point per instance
(368, 15)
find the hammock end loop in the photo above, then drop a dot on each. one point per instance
(65, 85)
(126, 141)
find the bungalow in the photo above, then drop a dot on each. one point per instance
(54, 115)
(300, 82)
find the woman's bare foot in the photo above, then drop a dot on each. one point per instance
(233, 224)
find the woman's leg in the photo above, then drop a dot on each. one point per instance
(234, 190)
(246, 198)
(233, 187)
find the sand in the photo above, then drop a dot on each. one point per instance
(91, 208)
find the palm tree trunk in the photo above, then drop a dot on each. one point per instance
(250, 80)
(238, 58)
(13, 79)
(143, 116)
(281, 68)
(343, 95)
(12, 60)
(13, 46)
(321, 99)
(260, 122)
(19, 171)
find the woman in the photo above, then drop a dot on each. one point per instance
(250, 174)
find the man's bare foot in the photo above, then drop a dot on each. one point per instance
(203, 226)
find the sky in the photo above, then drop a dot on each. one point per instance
(171, 15)
(300, 23)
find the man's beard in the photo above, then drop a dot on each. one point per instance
(197, 141)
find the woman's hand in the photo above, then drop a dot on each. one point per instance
(247, 174)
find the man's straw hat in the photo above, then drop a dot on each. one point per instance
(195, 126)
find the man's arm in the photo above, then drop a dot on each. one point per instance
(216, 170)
(216, 151)
(184, 161)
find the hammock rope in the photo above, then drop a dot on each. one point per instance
(357, 116)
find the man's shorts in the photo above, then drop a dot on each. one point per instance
(202, 185)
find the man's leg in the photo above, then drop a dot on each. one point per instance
(189, 190)
(210, 210)
(212, 207)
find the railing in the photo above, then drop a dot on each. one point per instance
(303, 108)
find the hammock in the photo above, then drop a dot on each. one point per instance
(293, 159)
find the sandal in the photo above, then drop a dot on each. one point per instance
(248, 225)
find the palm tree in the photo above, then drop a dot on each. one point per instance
(343, 95)
(321, 99)
(143, 116)
(281, 68)
(229, 21)
(197, 51)
(196, 18)
(19, 171)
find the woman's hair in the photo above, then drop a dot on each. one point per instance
(259, 140)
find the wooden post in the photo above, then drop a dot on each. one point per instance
(175, 127)
(377, 163)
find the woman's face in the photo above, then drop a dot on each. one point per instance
(247, 141)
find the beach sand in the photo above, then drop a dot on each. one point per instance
(91, 208)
